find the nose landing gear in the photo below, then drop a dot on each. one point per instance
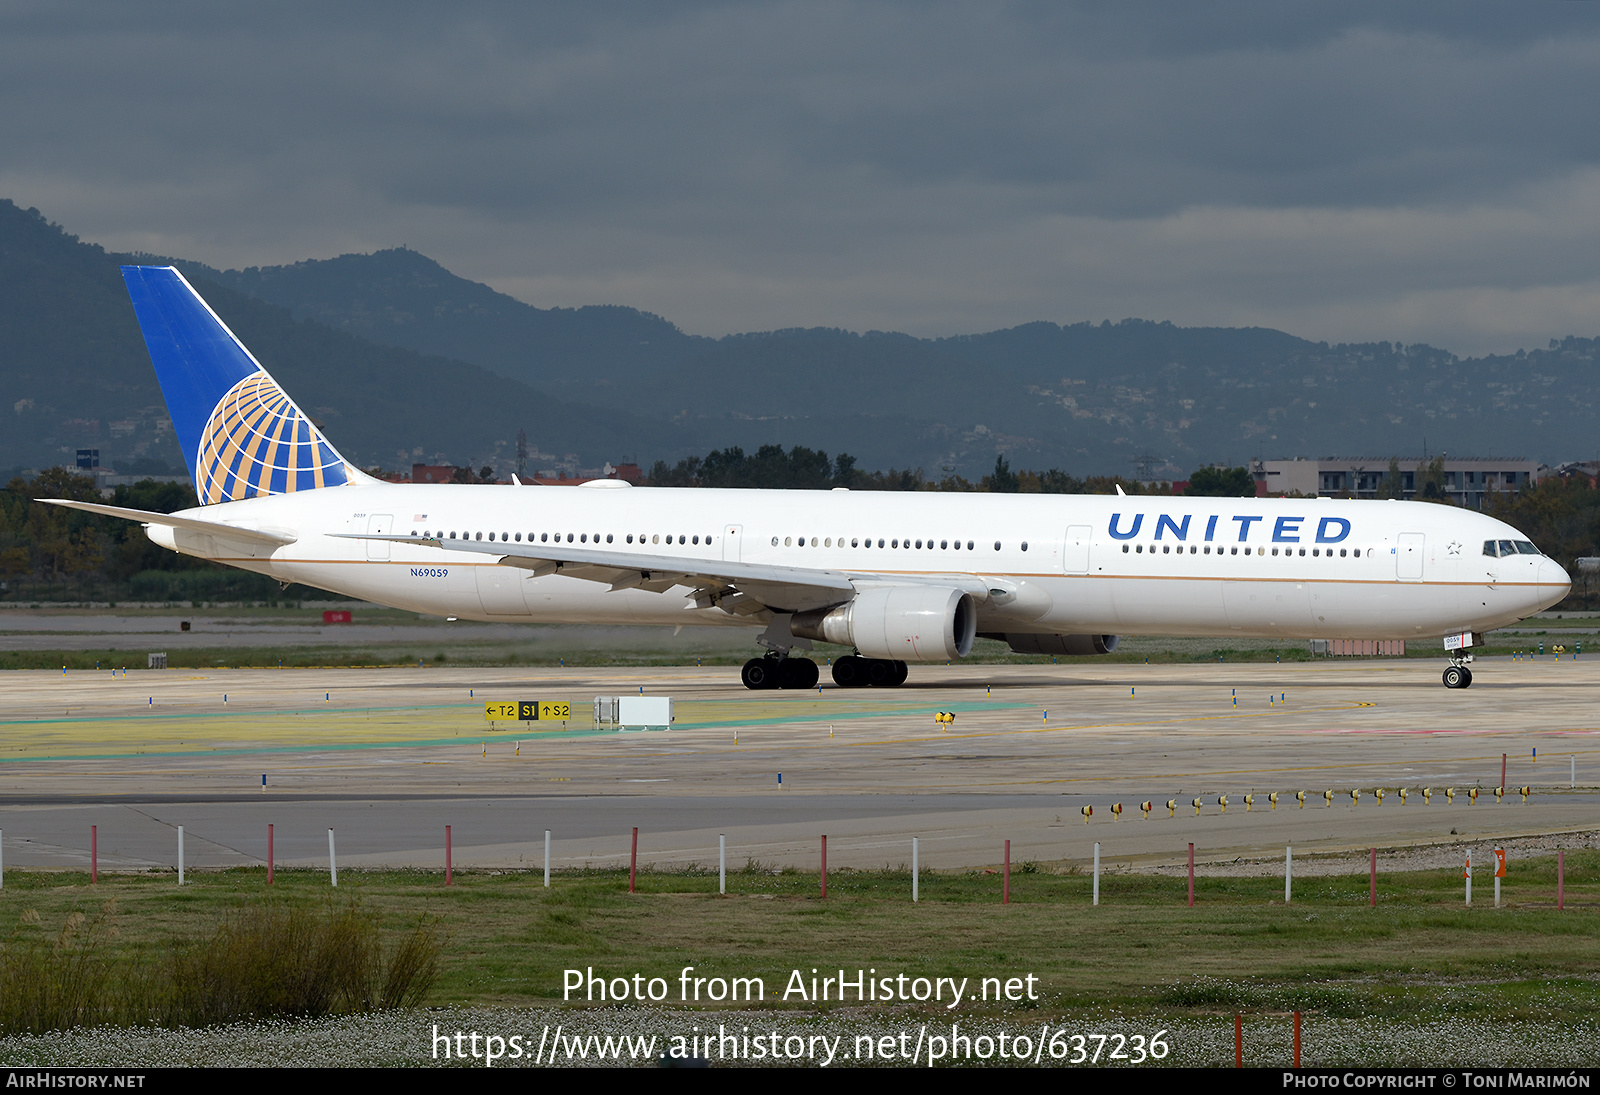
(1458, 647)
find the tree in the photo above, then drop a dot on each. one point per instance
(1221, 483)
(1002, 480)
(1430, 482)
(1393, 485)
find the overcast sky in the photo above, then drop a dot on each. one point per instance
(1342, 171)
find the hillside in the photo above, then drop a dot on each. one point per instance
(403, 360)
(74, 373)
(1084, 397)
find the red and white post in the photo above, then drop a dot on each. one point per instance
(1005, 894)
(633, 859)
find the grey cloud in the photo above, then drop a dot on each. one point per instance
(930, 167)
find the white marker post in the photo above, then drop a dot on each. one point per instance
(333, 864)
(1288, 872)
(180, 855)
(547, 859)
(915, 874)
(722, 863)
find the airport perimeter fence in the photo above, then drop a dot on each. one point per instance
(1270, 801)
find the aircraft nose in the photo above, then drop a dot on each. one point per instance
(1554, 582)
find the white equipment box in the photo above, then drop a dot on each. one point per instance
(634, 712)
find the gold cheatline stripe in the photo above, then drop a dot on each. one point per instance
(695, 565)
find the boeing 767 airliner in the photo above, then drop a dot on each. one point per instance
(897, 577)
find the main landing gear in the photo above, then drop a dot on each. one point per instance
(853, 671)
(774, 671)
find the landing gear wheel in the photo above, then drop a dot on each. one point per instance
(797, 673)
(760, 674)
(880, 673)
(850, 671)
(900, 674)
(1457, 676)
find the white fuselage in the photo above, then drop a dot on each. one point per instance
(1067, 564)
(1050, 562)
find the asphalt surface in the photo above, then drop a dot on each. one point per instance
(387, 758)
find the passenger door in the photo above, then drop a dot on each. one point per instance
(1075, 555)
(379, 524)
(1408, 557)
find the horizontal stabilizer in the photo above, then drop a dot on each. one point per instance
(277, 537)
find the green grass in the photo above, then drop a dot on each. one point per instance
(507, 940)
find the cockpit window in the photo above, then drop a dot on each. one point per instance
(1506, 548)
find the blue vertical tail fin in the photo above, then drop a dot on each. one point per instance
(241, 434)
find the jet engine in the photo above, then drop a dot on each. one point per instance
(897, 623)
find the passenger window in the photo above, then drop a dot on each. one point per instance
(608, 537)
(1024, 545)
(1124, 549)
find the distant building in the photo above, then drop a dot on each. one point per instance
(446, 473)
(433, 473)
(1466, 482)
(628, 473)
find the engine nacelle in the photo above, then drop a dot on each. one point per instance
(898, 623)
(1070, 645)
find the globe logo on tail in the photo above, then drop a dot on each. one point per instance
(257, 442)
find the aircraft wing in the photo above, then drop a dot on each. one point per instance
(740, 588)
(275, 537)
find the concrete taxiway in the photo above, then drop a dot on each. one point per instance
(388, 757)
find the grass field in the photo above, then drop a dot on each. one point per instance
(1142, 952)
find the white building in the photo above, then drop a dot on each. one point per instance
(1465, 481)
